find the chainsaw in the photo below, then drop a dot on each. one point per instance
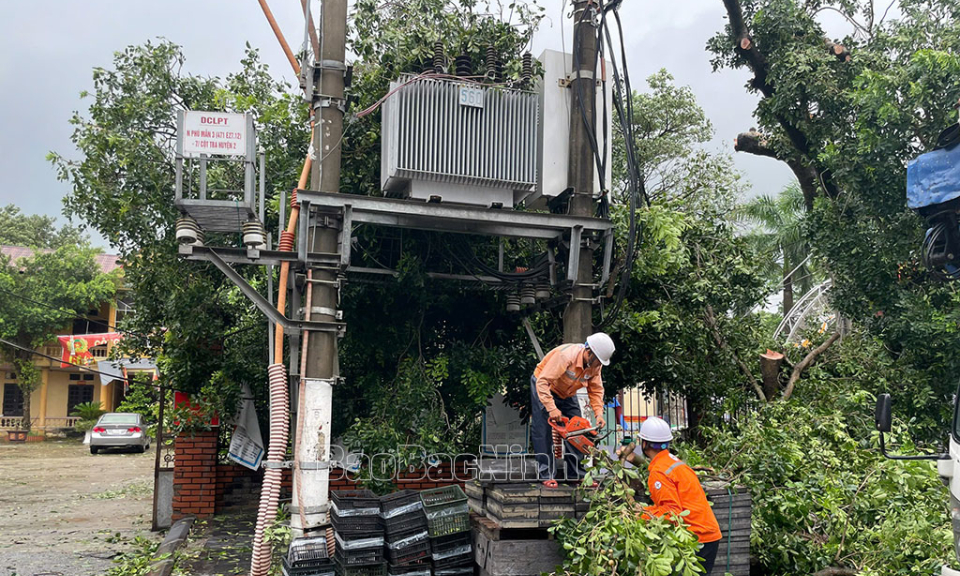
(578, 432)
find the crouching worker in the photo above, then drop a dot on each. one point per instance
(674, 487)
(553, 395)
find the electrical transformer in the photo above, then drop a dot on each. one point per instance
(452, 140)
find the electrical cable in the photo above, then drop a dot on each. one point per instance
(590, 130)
(635, 183)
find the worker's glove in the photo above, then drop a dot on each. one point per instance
(556, 416)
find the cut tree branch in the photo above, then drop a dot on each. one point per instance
(747, 49)
(807, 362)
(755, 143)
(711, 321)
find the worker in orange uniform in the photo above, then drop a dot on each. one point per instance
(674, 487)
(553, 395)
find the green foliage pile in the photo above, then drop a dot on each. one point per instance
(823, 495)
(614, 538)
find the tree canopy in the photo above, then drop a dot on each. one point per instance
(42, 294)
(35, 230)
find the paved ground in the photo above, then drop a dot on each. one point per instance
(221, 546)
(65, 512)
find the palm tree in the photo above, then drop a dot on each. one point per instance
(777, 229)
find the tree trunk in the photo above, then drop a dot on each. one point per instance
(787, 289)
(770, 372)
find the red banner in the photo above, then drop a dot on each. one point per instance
(76, 349)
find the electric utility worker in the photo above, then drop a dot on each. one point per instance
(674, 487)
(553, 395)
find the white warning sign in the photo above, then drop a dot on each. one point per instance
(214, 133)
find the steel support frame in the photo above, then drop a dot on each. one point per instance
(262, 304)
(457, 219)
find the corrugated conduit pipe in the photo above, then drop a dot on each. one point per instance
(279, 400)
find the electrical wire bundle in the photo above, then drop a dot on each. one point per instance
(598, 11)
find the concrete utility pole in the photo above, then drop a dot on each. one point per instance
(320, 366)
(578, 316)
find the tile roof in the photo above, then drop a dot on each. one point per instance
(107, 262)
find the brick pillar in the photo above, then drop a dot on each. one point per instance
(195, 475)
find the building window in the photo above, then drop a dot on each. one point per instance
(12, 400)
(78, 394)
(90, 326)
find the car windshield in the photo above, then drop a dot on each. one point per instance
(118, 419)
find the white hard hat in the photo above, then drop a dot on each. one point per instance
(602, 346)
(656, 430)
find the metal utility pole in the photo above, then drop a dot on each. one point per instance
(320, 367)
(578, 316)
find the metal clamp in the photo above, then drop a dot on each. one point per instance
(330, 102)
(338, 314)
(323, 509)
(284, 464)
(331, 65)
(314, 466)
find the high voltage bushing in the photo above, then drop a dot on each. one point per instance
(526, 73)
(528, 295)
(188, 231)
(493, 67)
(254, 236)
(513, 301)
(464, 66)
(293, 199)
(438, 57)
(543, 290)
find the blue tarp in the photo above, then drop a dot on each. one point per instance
(933, 178)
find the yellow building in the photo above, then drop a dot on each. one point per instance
(62, 388)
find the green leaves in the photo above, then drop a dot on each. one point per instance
(614, 538)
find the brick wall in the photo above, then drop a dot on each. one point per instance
(195, 475)
(237, 486)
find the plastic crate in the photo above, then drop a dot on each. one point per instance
(445, 544)
(308, 549)
(322, 567)
(404, 499)
(413, 553)
(355, 500)
(368, 570)
(439, 498)
(404, 523)
(359, 557)
(417, 568)
(449, 524)
(357, 524)
(459, 561)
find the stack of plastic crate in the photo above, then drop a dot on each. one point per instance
(308, 557)
(448, 523)
(355, 515)
(408, 542)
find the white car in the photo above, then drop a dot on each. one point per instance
(119, 430)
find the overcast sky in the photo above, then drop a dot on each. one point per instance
(48, 48)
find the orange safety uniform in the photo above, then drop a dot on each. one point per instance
(674, 487)
(562, 372)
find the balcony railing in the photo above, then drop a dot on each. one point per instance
(15, 423)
